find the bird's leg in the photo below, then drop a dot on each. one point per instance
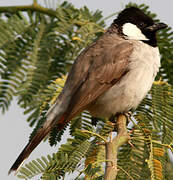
(112, 119)
(128, 116)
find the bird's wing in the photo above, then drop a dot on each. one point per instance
(96, 70)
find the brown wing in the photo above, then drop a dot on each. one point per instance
(96, 70)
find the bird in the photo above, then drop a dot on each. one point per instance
(111, 76)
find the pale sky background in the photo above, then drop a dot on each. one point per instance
(14, 130)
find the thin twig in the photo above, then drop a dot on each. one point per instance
(33, 7)
(125, 172)
(94, 134)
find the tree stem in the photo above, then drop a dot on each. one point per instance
(34, 7)
(112, 147)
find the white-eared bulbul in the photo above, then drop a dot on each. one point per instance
(109, 77)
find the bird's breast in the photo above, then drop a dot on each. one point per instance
(126, 94)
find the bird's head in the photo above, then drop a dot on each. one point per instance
(135, 24)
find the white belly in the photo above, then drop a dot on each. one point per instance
(133, 87)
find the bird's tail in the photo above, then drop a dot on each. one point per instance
(54, 116)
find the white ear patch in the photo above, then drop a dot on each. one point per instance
(133, 32)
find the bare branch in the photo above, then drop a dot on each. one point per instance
(112, 148)
(34, 7)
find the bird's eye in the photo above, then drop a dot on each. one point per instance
(142, 24)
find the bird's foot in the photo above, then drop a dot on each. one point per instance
(113, 118)
(128, 116)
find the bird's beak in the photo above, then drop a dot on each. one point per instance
(156, 27)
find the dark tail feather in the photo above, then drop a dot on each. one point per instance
(40, 135)
(29, 148)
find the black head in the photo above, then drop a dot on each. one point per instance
(145, 23)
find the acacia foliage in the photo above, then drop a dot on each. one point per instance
(36, 52)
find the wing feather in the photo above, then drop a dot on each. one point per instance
(101, 66)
